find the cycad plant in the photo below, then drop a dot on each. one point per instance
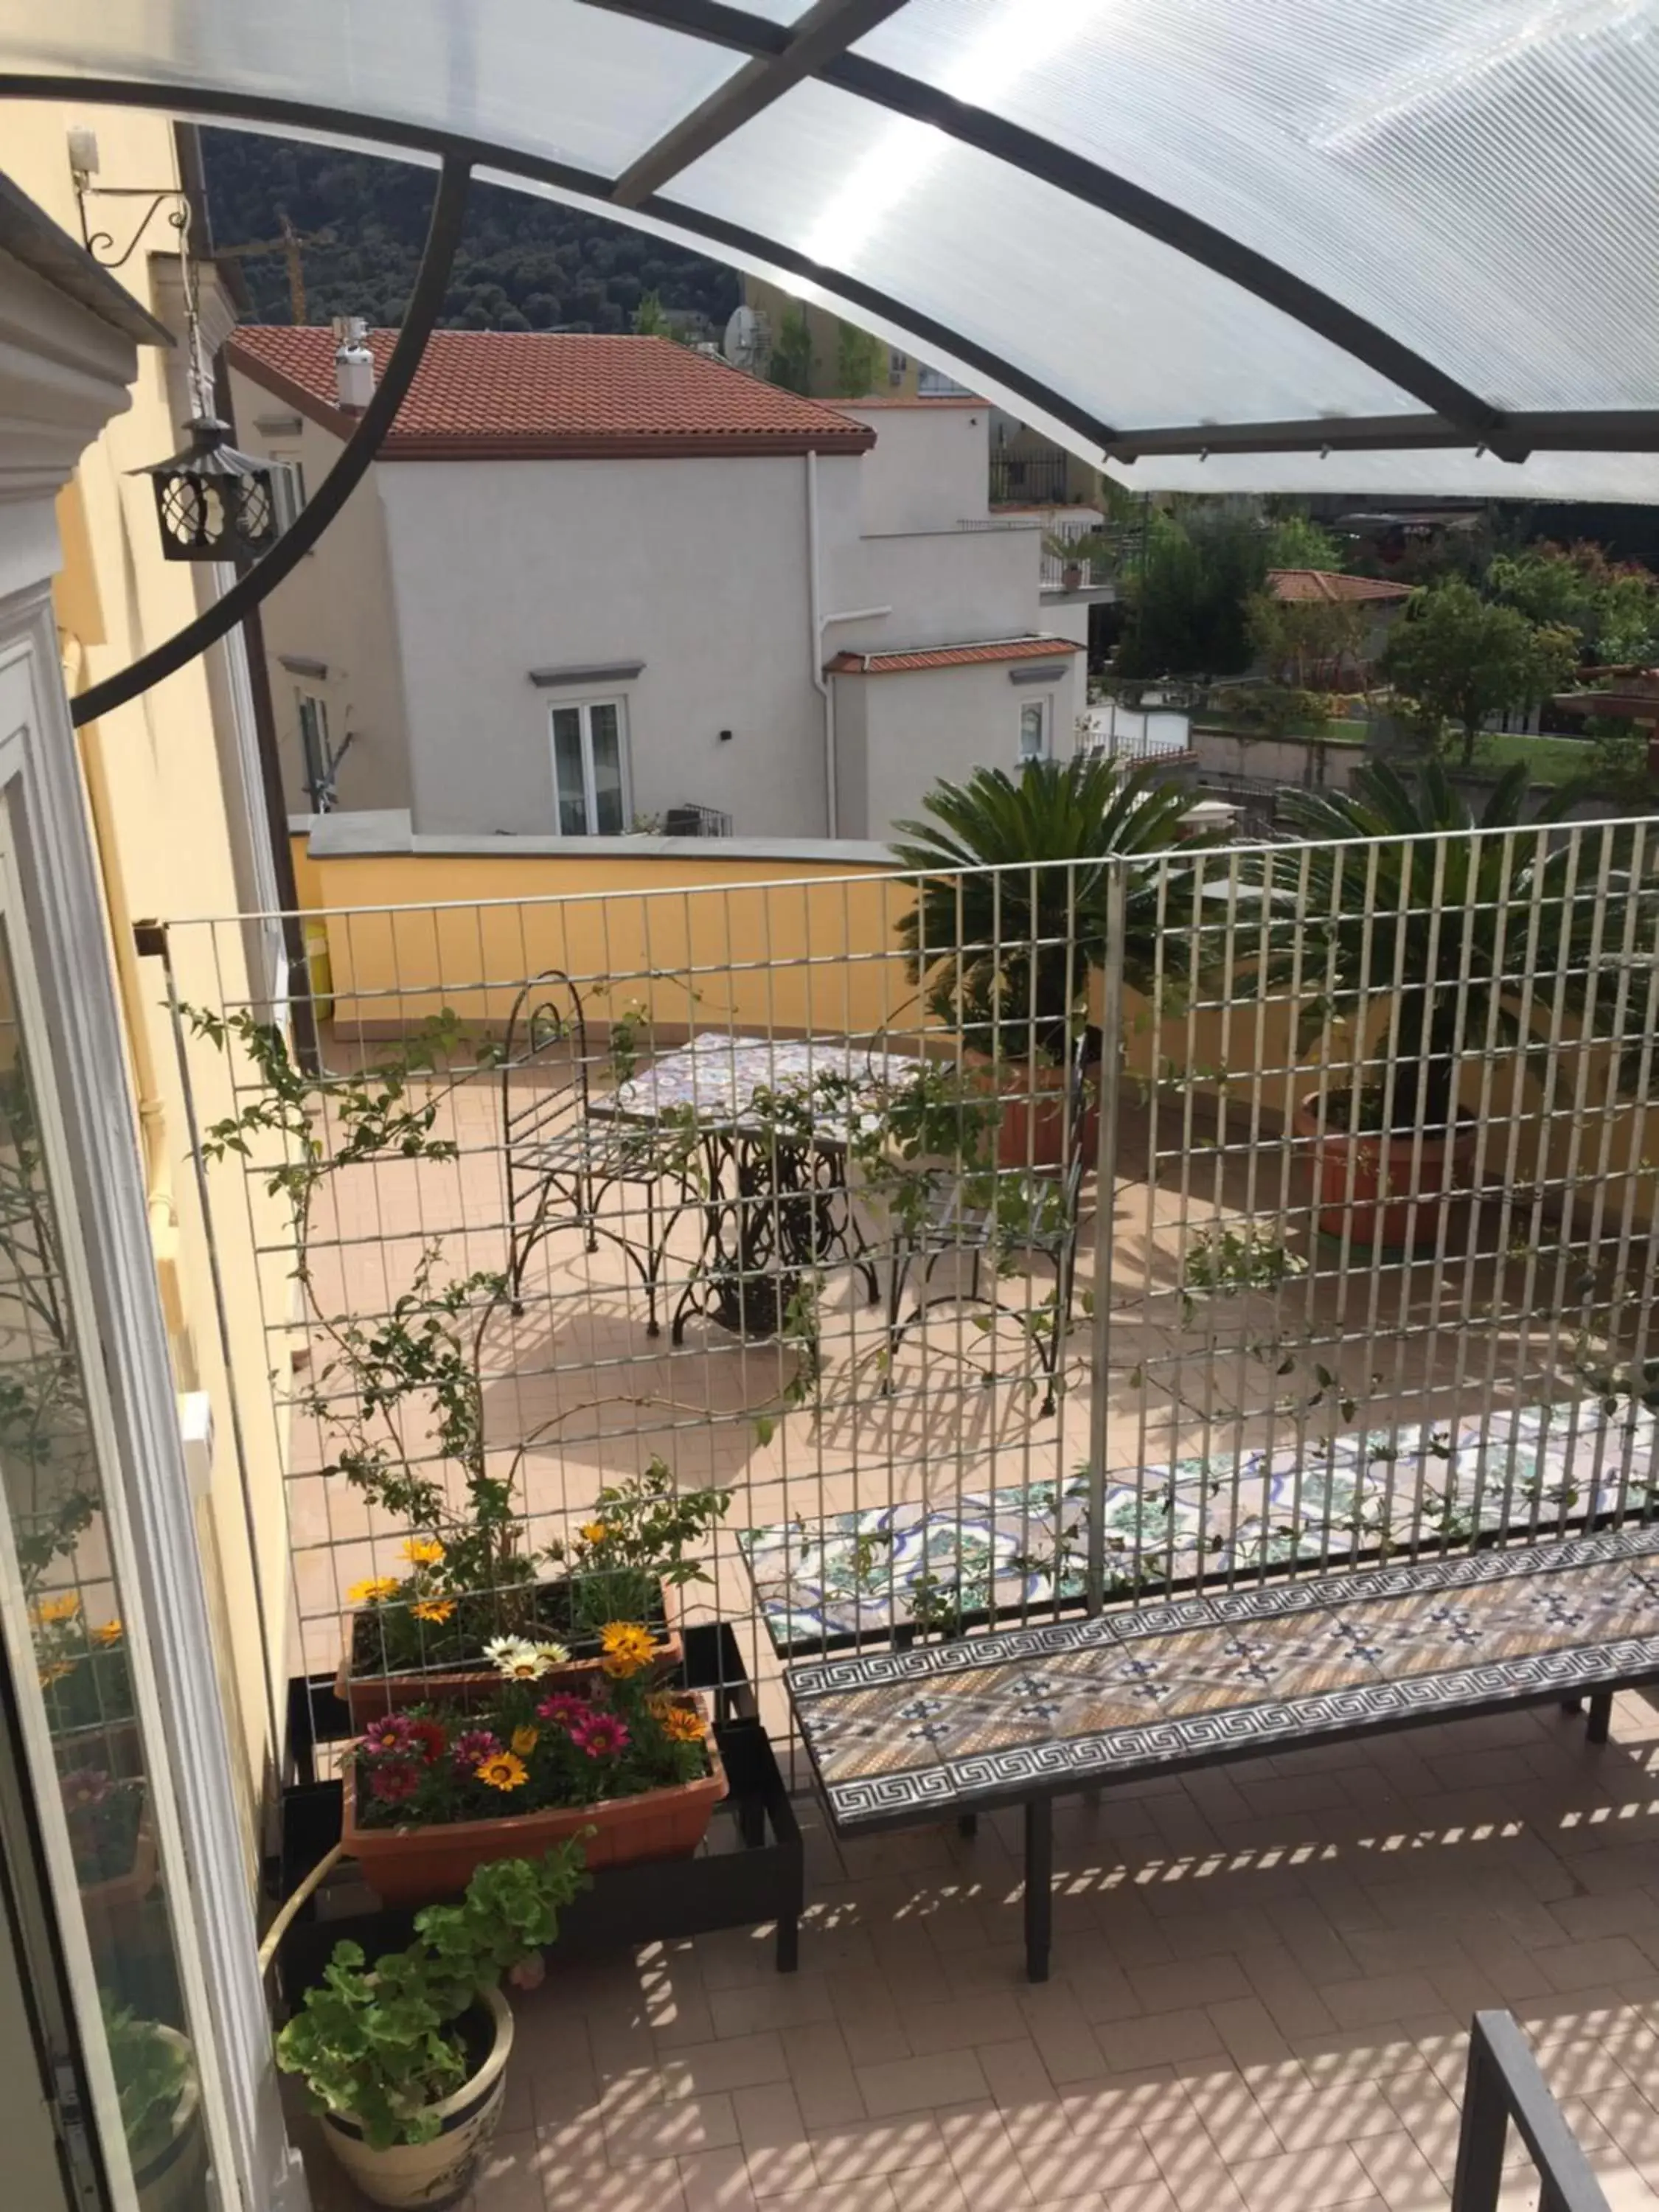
(1011, 908)
(1486, 927)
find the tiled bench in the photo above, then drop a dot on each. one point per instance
(1024, 1716)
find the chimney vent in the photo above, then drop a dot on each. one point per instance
(353, 364)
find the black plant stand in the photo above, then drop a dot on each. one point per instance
(658, 1900)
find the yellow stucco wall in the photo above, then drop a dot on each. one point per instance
(716, 944)
(158, 812)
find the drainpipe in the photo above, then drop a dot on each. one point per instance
(818, 623)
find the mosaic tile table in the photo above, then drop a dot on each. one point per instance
(1022, 1716)
(1019, 1550)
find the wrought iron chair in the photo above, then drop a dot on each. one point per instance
(562, 1157)
(979, 1213)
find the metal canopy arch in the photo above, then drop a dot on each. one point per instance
(962, 205)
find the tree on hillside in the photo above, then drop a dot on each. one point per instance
(1186, 592)
(791, 362)
(1295, 540)
(860, 361)
(1612, 606)
(649, 320)
(1460, 658)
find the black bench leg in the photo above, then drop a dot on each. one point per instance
(1039, 1886)
(968, 1824)
(788, 1951)
(1600, 1716)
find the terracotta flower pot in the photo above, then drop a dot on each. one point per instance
(422, 1865)
(439, 2172)
(371, 1696)
(112, 1906)
(1031, 1128)
(1364, 1183)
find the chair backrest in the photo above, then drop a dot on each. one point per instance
(546, 1031)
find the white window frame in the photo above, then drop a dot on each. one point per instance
(584, 708)
(319, 772)
(1043, 706)
(149, 1510)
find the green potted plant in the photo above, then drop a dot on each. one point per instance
(404, 2059)
(1011, 916)
(398, 1400)
(432, 1794)
(427, 1634)
(1432, 925)
(156, 2086)
(112, 1844)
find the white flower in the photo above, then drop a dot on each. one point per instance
(554, 1654)
(516, 1658)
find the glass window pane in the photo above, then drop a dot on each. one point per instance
(603, 722)
(1031, 721)
(76, 1673)
(570, 785)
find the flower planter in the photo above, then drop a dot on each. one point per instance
(1032, 1125)
(369, 1696)
(439, 2172)
(421, 1865)
(1360, 1180)
(172, 2179)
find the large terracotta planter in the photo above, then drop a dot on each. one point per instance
(422, 1865)
(439, 2172)
(1031, 1127)
(371, 1696)
(1363, 1184)
(112, 1907)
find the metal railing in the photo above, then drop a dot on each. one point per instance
(1503, 2085)
(1028, 480)
(964, 1341)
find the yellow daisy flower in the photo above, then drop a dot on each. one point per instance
(377, 1587)
(524, 1740)
(501, 1771)
(53, 1609)
(55, 1672)
(110, 1632)
(681, 1724)
(627, 1649)
(423, 1551)
(433, 1608)
(593, 1532)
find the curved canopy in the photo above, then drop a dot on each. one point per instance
(1244, 228)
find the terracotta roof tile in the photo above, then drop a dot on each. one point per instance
(1329, 584)
(949, 656)
(496, 394)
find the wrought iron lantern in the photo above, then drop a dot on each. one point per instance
(213, 503)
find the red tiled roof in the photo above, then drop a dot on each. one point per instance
(1330, 584)
(949, 656)
(491, 395)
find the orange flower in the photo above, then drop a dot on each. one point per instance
(524, 1740)
(110, 1632)
(53, 1609)
(501, 1771)
(373, 1591)
(433, 1608)
(423, 1551)
(627, 1649)
(55, 1672)
(682, 1724)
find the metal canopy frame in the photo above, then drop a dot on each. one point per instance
(780, 56)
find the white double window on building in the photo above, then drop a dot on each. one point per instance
(590, 768)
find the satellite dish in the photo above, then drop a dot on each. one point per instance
(746, 339)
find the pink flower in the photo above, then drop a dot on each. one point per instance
(471, 1748)
(84, 1787)
(564, 1709)
(394, 1780)
(388, 1736)
(601, 1735)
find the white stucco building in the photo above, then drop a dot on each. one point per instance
(593, 580)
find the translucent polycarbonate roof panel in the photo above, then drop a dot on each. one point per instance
(546, 77)
(1135, 332)
(1447, 472)
(1471, 175)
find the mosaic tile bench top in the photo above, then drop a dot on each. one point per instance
(988, 1718)
(1021, 1547)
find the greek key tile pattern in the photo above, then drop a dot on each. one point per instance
(953, 1723)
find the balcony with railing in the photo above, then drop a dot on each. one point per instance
(976, 1261)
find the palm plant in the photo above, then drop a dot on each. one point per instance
(1476, 923)
(1011, 908)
